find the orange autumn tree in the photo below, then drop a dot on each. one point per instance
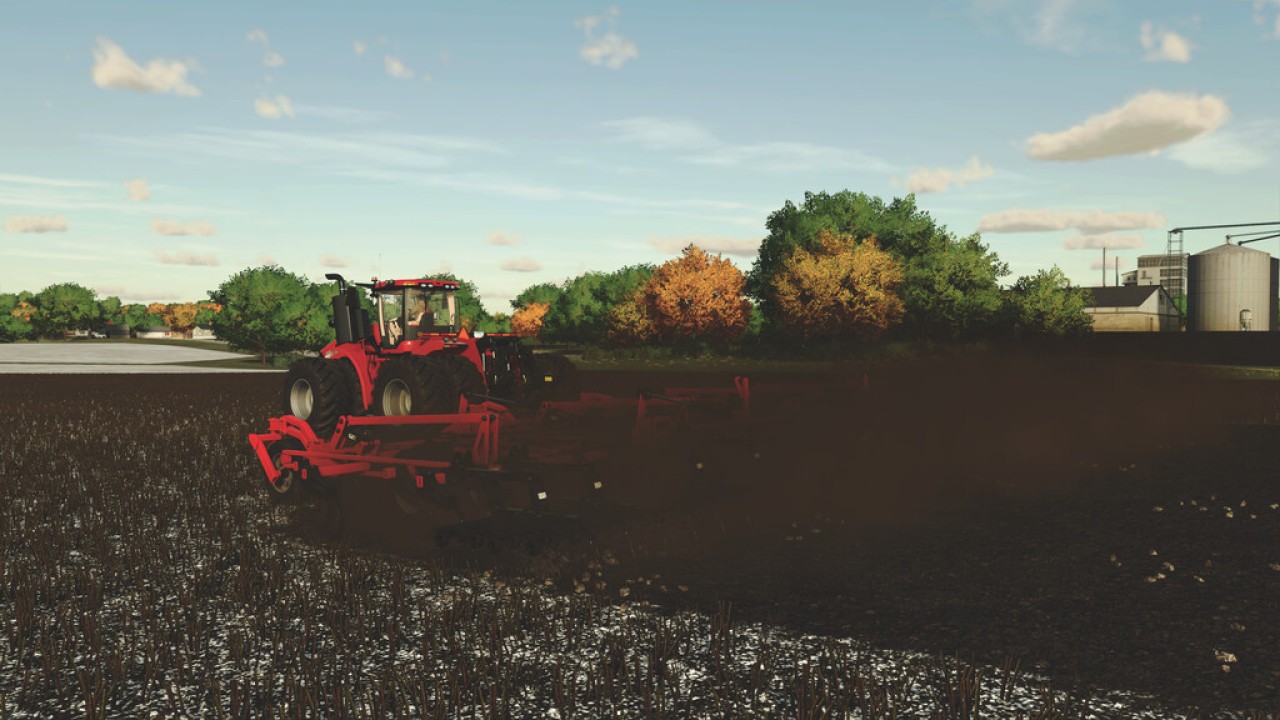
(181, 317)
(841, 288)
(696, 296)
(527, 321)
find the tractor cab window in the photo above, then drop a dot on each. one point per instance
(391, 319)
(431, 310)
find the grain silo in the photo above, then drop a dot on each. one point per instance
(1231, 288)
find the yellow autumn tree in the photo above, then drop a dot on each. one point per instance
(840, 288)
(527, 321)
(628, 322)
(697, 296)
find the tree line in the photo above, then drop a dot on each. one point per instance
(840, 267)
(66, 307)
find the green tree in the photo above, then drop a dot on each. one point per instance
(545, 293)
(206, 313)
(581, 313)
(951, 285)
(471, 313)
(497, 323)
(1047, 304)
(269, 310)
(134, 315)
(63, 307)
(953, 291)
(15, 322)
(109, 309)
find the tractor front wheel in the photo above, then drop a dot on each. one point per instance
(317, 391)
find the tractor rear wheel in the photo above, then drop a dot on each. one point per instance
(317, 391)
(414, 386)
(466, 378)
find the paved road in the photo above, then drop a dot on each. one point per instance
(88, 356)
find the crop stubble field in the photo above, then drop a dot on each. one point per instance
(1010, 537)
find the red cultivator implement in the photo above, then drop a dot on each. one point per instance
(495, 457)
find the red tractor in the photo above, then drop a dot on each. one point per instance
(414, 358)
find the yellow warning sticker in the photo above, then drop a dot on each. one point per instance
(548, 378)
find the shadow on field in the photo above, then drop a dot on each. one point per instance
(999, 509)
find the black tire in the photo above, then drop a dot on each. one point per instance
(554, 377)
(465, 376)
(414, 386)
(317, 391)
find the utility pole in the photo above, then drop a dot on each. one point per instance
(1104, 266)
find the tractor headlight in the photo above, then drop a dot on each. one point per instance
(478, 334)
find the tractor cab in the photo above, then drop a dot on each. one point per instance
(409, 309)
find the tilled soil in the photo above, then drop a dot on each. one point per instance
(1103, 524)
(1113, 525)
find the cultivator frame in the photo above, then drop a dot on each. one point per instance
(495, 455)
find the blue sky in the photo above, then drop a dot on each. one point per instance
(151, 150)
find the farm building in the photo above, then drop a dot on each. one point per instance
(156, 332)
(200, 332)
(1133, 308)
(1167, 270)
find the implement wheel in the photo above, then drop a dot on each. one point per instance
(554, 377)
(317, 391)
(287, 489)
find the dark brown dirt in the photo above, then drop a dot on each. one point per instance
(974, 508)
(967, 507)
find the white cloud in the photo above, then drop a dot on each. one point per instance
(271, 58)
(523, 264)
(1088, 222)
(1260, 16)
(927, 180)
(42, 181)
(202, 228)
(742, 247)
(265, 259)
(500, 238)
(257, 36)
(1052, 26)
(351, 116)
(273, 108)
(666, 133)
(186, 257)
(359, 47)
(1148, 122)
(611, 49)
(35, 223)
(397, 69)
(658, 133)
(792, 157)
(1162, 44)
(1097, 242)
(1248, 146)
(113, 70)
(138, 189)
(330, 260)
